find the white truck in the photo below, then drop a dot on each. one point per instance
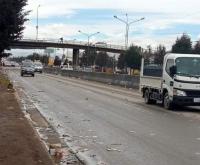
(176, 82)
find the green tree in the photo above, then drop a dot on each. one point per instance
(183, 45)
(12, 18)
(196, 49)
(121, 61)
(88, 59)
(159, 54)
(57, 61)
(133, 57)
(44, 59)
(102, 59)
(147, 54)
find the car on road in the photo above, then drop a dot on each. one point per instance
(27, 68)
(38, 67)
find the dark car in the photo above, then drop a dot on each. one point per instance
(27, 68)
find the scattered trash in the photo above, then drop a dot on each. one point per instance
(116, 144)
(52, 151)
(84, 150)
(44, 138)
(86, 120)
(58, 145)
(198, 138)
(93, 155)
(101, 163)
(40, 91)
(91, 131)
(48, 129)
(86, 98)
(132, 132)
(197, 153)
(65, 135)
(59, 126)
(54, 148)
(112, 149)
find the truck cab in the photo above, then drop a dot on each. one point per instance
(179, 83)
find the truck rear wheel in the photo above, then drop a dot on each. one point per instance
(147, 98)
(167, 103)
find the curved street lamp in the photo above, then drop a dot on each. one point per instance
(128, 23)
(88, 44)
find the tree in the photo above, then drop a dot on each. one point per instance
(196, 49)
(183, 45)
(12, 18)
(34, 57)
(102, 59)
(57, 61)
(44, 59)
(121, 61)
(88, 59)
(147, 54)
(159, 54)
(133, 57)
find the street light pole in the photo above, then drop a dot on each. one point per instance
(37, 24)
(88, 44)
(127, 23)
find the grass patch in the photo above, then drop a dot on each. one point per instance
(4, 81)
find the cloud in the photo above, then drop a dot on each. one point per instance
(65, 7)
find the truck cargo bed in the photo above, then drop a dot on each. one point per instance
(149, 81)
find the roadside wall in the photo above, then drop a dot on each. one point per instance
(120, 80)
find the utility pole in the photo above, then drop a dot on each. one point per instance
(88, 44)
(127, 23)
(37, 23)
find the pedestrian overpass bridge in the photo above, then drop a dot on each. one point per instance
(75, 45)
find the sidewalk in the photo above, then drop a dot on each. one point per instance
(19, 145)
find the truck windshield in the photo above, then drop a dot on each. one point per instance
(188, 66)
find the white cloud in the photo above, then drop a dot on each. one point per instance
(172, 6)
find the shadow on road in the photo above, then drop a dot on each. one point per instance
(187, 109)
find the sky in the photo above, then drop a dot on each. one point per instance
(165, 20)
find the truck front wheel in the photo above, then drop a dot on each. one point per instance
(167, 103)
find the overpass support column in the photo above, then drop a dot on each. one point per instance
(75, 57)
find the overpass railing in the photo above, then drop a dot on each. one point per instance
(75, 42)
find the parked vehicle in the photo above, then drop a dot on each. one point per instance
(177, 82)
(27, 68)
(38, 67)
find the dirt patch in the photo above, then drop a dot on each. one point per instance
(19, 144)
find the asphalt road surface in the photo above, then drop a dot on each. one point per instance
(112, 125)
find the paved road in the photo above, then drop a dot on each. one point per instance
(111, 125)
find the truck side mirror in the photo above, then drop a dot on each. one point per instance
(173, 71)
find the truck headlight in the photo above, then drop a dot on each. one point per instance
(178, 92)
